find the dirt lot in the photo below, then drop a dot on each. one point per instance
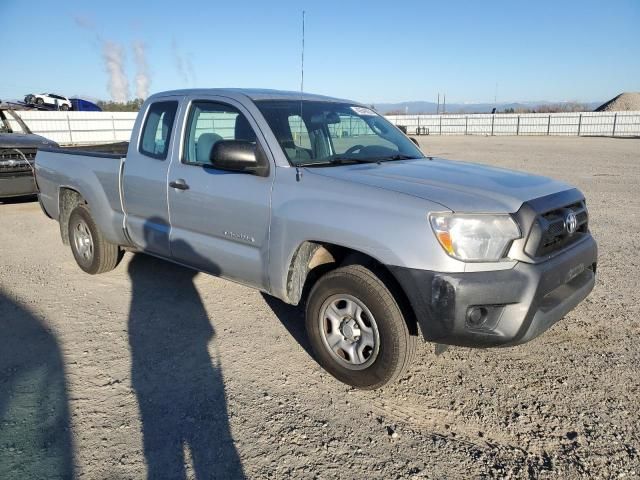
(219, 380)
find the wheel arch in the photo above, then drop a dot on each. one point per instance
(68, 199)
(312, 259)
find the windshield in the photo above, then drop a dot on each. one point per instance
(316, 133)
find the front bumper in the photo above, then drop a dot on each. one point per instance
(499, 308)
(17, 185)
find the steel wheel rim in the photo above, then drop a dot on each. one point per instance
(83, 240)
(349, 331)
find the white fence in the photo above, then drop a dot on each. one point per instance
(85, 128)
(612, 124)
(78, 128)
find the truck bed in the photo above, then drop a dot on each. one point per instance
(94, 175)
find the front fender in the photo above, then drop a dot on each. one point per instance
(388, 226)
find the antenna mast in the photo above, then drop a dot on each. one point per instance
(302, 60)
(298, 171)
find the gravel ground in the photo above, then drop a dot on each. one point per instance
(155, 369)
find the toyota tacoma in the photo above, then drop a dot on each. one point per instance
(322, 202)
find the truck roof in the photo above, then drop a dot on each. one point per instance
(254, 94)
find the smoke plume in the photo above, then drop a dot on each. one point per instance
(113, 57)
(183, 64)
(143, 79)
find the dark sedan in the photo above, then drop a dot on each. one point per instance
(17, 154)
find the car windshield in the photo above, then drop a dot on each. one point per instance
(317, 133)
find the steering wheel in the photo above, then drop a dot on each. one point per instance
(353, 149)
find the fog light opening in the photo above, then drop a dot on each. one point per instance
(477, 316)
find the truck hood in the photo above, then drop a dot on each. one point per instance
(24, 140)
(458, 186)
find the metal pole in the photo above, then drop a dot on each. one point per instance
(466, 123)
(113, 126)
(440, 125)
(579, 124)
(69, 127)
(615, 120)
(549, 125)
(518, 126)
(493, 118)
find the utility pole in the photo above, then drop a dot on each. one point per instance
(438, 106)
(444, 103)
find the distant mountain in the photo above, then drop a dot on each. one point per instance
(431, 107)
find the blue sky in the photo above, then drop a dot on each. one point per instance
(370, 51)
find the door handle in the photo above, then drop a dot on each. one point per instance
(179, 184)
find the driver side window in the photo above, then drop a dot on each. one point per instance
(210, 123)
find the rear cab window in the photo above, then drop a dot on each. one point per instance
(156, 131)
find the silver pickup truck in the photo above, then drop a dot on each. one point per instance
(321, 201)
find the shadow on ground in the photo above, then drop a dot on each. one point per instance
(292, 318)
(180, 391)
(35, 436)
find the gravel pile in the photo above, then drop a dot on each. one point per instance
(625, 102)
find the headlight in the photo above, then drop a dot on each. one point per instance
(474, 238)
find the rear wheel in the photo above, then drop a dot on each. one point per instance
(64, 107)
(40, 101)
(93, 253)
(356, 328)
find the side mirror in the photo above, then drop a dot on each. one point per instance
(239, 156)
(414, 141)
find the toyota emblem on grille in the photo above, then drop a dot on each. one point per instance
(571, 223)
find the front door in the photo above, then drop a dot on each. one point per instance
(219, 219)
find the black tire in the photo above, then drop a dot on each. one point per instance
(104, 255)
(40, 101)
(64, 107)
(396, 344)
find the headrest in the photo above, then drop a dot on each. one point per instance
(206, 141)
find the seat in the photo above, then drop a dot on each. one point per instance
(206, 141)
(243, 130)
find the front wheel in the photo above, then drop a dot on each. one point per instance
(64, 107)
(93, 253)
(356, 328)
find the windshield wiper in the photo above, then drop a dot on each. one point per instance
(339, 161)
(398, 156)
(344, 160)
